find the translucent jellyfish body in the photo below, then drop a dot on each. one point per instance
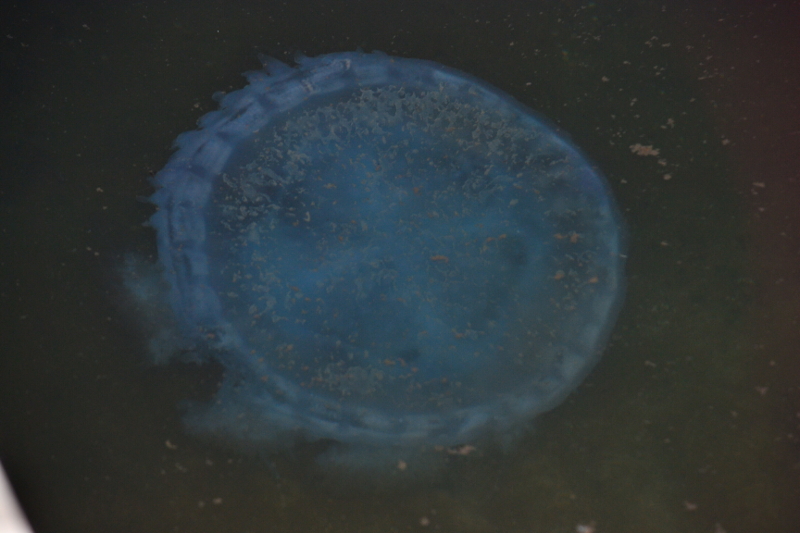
(386, 254)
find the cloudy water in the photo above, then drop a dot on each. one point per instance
(690, 422)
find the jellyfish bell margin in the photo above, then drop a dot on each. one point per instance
(384, 254)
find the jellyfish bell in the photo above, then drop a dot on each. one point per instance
(384, 254)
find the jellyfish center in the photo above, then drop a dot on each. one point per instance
(384, 242)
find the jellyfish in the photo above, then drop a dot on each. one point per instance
(383, 254)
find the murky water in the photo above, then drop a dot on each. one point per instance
(690, 422)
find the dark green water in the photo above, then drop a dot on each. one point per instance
(691, 421)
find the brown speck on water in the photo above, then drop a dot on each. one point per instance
(640, 149)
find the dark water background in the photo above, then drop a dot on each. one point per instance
(691, 421)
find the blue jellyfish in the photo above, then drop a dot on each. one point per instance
(385, 254)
